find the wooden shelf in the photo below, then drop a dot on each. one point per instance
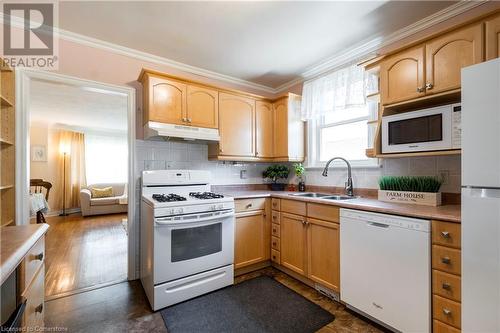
(5, 101)
(422, 153)
(6, 142)
(446, 97)
(6, 187)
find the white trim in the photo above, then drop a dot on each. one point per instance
(357, 52)
(23, 80)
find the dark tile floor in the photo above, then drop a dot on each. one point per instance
(124, 308)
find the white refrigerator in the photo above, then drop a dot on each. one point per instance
(481, 197)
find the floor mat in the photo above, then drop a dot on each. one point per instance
(258, 305)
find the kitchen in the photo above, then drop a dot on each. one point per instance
(368, 213)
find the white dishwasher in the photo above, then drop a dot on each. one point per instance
(385, 268)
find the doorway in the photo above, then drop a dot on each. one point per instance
(76, 166)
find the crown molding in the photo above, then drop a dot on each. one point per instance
(355, 53)
(369, 46)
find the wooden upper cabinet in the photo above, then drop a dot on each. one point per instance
(264, 129)
(446, 55)
(165, 100)
(202, 107)
(288, 129)
(323, 243)
(250, 239)
(293, 243)
(281, 128)
(236, 125)
(493, 37)
(402, 76)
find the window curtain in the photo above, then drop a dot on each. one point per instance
(342, 89)
(106, 158)
(73, 143)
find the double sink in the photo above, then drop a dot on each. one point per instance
(323, 196)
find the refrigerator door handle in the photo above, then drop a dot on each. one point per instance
(477, 192)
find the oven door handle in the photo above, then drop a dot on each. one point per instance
(214, 216)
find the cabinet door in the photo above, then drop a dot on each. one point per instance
(323, 256)
(448, 54)
(402, 76)
(236, 125)
(281, 128)
(293, 243)
(493, 38)
(250, 239)
(202, 107)
(264, 129)
(166, 100)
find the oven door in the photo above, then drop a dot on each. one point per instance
(424, 130)
(192, 243)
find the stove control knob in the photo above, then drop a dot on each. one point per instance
(213, 207)
(180, 211)
(221, 206)
(172, 212)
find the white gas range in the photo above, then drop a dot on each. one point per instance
(187, 236)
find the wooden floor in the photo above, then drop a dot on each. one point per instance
(83, 252)
(124, 308)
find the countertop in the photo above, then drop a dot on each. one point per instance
(450, 213)
(16, 241)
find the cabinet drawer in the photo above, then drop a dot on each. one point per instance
(446, 233)
(323, 212)
(446, 285)
(439, 327)
(275, 243)
(32, 262)
(275, 256)
(446, 311)
(446, 259)
(275, 217)
(293, 207)
(275, 230)
(275, 204)
(246, 205)
(34, 295)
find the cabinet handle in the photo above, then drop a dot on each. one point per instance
(274, 243)
(420, 89)
(445, 234)
(184, 119)
(446, 260)
(446, 286)
(39, 308)
(429, 86)
(447, 312)
(221, 150)
(38, 256)
(189, 120)
(248, 206)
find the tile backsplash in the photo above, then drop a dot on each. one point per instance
(179, 155)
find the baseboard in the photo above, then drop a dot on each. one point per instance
(59, 212)
(251, 268)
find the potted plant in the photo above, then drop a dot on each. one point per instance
(275, 173)
(419, 190)
(299, 172)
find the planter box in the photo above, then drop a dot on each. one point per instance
(416, 198)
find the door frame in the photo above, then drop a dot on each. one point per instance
(23, 84)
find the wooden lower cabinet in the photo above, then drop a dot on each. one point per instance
(323, 244)
(34, 312)
(293, 243)
(439, 327)
(251, 233)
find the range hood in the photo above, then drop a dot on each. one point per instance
(155, 129)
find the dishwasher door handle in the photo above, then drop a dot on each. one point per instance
(378, 225)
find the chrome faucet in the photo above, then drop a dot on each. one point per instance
(348, 184)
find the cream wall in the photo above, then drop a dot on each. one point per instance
(41, 134)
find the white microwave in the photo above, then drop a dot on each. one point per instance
(424, 130)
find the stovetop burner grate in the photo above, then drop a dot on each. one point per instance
(168, 197)
(205, 195)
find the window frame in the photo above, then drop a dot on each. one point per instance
(314, 128)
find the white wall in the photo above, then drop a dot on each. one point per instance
(178, 155)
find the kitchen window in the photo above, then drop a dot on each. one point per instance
(337, 113)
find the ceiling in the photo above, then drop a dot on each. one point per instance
(267, 43)
(79, 107)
